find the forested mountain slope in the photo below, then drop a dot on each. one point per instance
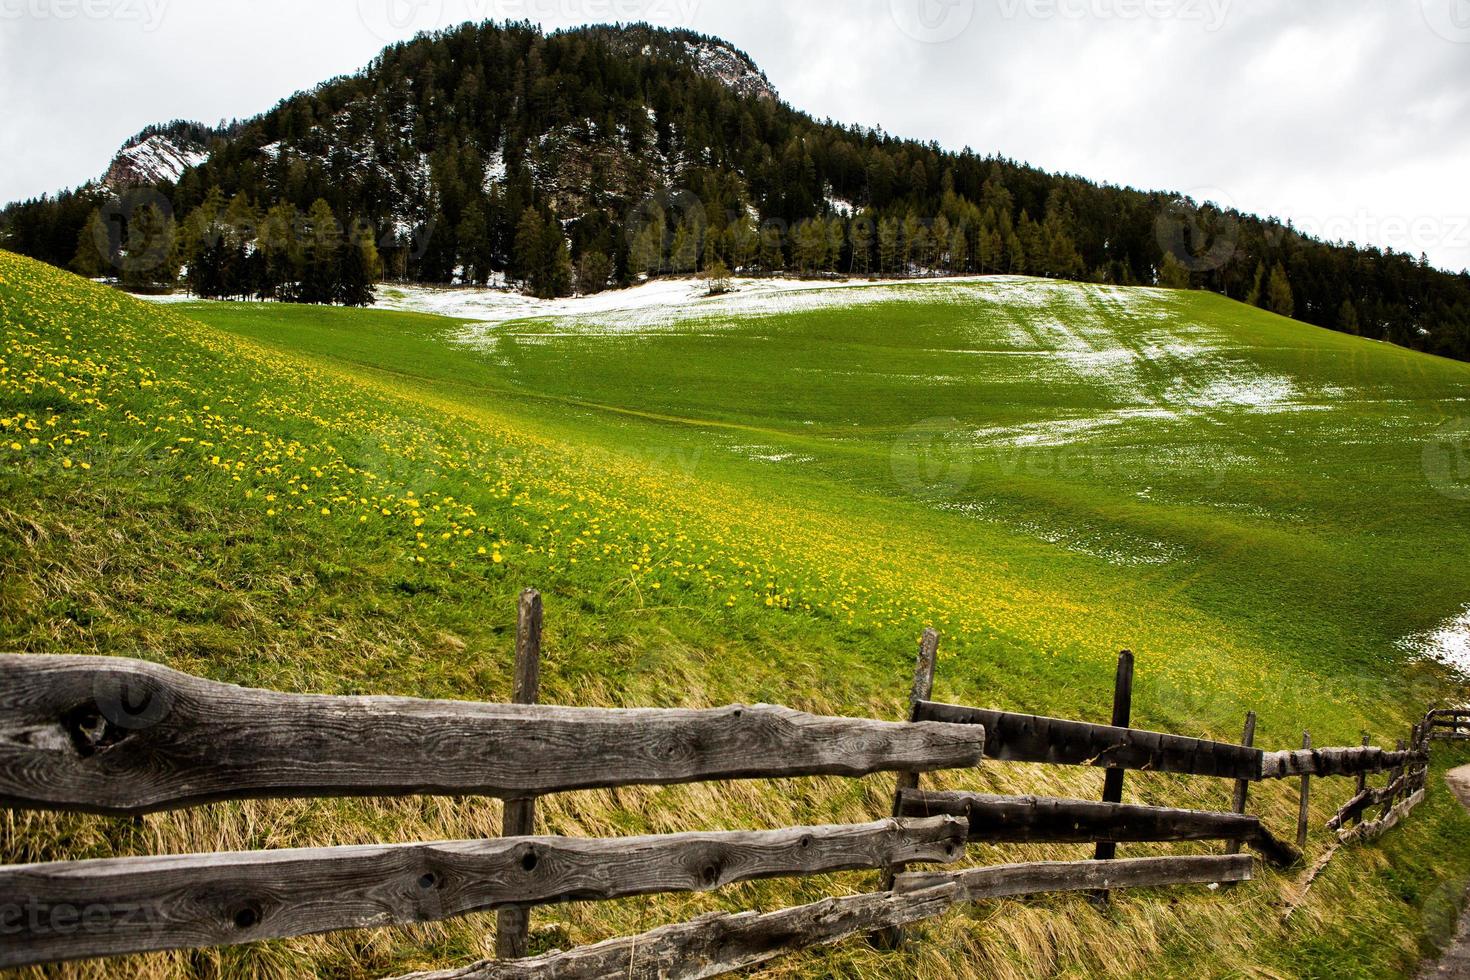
(588, 158)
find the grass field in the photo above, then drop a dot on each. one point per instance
(762, 501)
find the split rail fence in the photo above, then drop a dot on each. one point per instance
(123, 737)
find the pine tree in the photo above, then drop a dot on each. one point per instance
(323, 245)
(645, 257)
(198, 240)
(889, 244)
(809, 245)
(594, 270)
(863, 233)
(147, 261)
(1258, 283)
(1347, 318)
(915, 242)
(359, 268)
(282, 253)
(959, 250)
(1279, 292)
(240, 226)
(475, 250)
(711, 255)
(1016, 258)
(772, 259)
(1033, 247)
(717, 276)
(556, 263)
(684, 255)
(744, 236)
(526, 255)
(94, 248)
(939, 235)
(835, 235)
(1172, 273)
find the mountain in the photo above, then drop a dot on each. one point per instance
(589, 158)
(160, 155)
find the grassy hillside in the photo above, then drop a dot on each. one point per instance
(756, 504)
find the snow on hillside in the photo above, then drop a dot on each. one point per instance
(727, 65)
(660, 303)
(1154, 362)
(1448, 643)
(157, 159)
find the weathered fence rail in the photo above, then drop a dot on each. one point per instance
(123, 737)
(1012, 737)
(1037, 820)
(177, 901)
(718, 944)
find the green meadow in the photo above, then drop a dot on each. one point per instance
(765, 498)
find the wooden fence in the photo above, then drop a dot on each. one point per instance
(123, 737)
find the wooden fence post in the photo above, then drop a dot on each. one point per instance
(922, 689)
(513, 925)
(1107, 850)
(1301, 820)
(1393, 777)
(1242, 786)
(1122, 715)
(1362, 783)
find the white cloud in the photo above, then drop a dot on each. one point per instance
(1352, 116)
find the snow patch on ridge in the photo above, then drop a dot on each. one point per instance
(155, 160)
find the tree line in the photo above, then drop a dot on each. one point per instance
(234, 250)
(590, 158)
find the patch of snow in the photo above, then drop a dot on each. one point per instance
(659, 303)
(1448, 643)
(495, 170)
(839, 205)
(155, 160)
(725, 65)
(766, 454)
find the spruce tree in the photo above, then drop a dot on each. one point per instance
(915, 242)
(359, 268)
(1172, 273)
(323, 246)
(745, 241)
(862, 234)
(1347, 318)
(282, 253)
(1279, 292)
(94, 248)
(556, 263)
(594, 270)
(526, 258)
(475, 249)
(147, 261)
(959, 250)
(889, 250)
(772, 258)
(684, 255)
(1258, 285)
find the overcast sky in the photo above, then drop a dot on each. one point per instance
(1352, 117)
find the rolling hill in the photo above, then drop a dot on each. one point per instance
(761, 497)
